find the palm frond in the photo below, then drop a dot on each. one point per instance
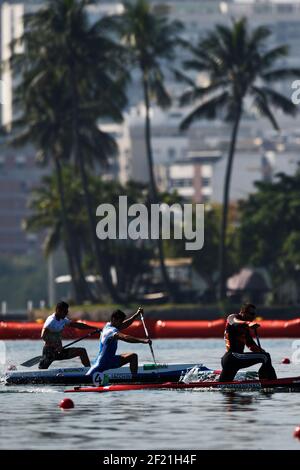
(279, 101)
(197, 93)
(182, 77)
(209, 110)
(281, 74)
(262, 107)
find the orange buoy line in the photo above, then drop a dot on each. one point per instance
(159, 329)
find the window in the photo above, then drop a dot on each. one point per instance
(24, 186)
(171, 153)
(262, 9)
(205, 182)
(285, 8)
(20, 160)
(181, 183)
(205, 198)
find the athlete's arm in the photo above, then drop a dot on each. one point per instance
(81, 326)
(233, 320)
(45, 334)
(129, 321)
(251, 344)
(131, 339)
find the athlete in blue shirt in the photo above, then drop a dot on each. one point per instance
(107, 358)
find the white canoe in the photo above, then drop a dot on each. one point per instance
(74, 376)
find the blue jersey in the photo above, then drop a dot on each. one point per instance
(107, 358)
(108, 342)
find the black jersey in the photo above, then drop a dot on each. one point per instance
(237, 336)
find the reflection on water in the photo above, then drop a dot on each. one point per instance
(152, 419)
(238, 401)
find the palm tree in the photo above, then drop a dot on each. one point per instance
(45, 206)
(40, 122)
(85, 64)
(238, 66)
(151, 40)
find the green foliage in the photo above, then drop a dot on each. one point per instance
(152, 40)
(24, 278)
(269, 231)
(130, 258)
(205, 261)
(238, 64)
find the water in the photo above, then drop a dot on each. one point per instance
(152, 419)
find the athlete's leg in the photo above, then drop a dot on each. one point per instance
(44, 363)
(132, 360)
(70, 353)
(96, 367)
(229, 368)
(233, 362)
(47, 358)
(267, 371)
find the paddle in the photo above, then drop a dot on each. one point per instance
(147, 336)
(257, 338)
(256, 335)
(36, 360)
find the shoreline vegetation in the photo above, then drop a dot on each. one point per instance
(170, 312)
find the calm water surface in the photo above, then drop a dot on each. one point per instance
(158, 419)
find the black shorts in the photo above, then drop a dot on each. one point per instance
(50, 355)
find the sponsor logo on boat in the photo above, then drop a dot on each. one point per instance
(243, 385)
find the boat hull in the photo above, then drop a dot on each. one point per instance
(147, 373)
(290, 384)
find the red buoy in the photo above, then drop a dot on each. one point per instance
(297, 432)
(66, 404)
(285, 360)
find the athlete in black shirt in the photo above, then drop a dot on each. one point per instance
(237, 336)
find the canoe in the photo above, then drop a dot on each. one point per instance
(290, 384)
(73, 376)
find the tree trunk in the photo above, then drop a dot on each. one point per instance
(153, 190)
(100, 258)
(222, 250)
(101, 261)
(80, 289)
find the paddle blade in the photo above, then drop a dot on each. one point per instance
(32, 362)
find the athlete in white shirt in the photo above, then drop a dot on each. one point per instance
(51, 334)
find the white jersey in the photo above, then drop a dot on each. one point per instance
(55, 325)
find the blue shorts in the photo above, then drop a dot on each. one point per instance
(102, 364)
